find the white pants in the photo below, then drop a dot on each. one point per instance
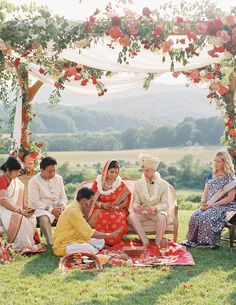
(92, 246)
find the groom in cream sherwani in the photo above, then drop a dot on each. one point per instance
(150, 201)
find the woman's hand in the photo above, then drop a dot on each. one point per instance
(205, 206)
(105, 206)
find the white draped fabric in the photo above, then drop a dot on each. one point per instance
(128, 77)
(118, 83)
(100, 56)
(17, 123)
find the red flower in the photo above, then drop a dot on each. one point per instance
(217, 23)
(115, 32)
(164, 270)
(21, 155)
(84, 82)
(182, 41)
(146, 12)
(228, 124)
(220, 49)
(17, 62)
(195, 75)
(94, 79)
(179, 20)
(210, 75)
(223, 90)
(124, 41)
(58, 85)
(34, 155)
(115, 21)
(158, 31)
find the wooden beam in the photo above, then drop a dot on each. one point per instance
(34, 89)
(230, 107)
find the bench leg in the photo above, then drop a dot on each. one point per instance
(231, 236)
(176, 232)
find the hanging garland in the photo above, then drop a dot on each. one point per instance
(41, 36)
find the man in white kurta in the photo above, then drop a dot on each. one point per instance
(47, 195)
(151, 200)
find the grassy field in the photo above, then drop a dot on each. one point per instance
(36, 280)
(167, 155)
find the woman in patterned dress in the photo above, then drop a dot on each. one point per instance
(112, 202)
(218, 198)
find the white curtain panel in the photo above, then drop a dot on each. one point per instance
(17, 123)
(100, 56)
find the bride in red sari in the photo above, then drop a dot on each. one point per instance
(112, 200)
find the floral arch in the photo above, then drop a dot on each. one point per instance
(110, 52)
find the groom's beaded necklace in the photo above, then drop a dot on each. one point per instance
(155, 188)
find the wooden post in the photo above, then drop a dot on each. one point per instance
(230, 139)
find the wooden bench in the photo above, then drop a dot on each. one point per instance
(149, 226)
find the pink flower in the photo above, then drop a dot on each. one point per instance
(179, 20)
(175, 74)
(158, 31)
(191, 36)
(166, 46)
(223, 35)
(202, 28)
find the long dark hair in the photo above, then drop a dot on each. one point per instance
(11, 164)
(114, 164)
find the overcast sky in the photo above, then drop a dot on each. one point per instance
(72, 9)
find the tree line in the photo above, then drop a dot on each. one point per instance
(188, 132)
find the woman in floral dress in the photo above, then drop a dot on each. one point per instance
(218, 198)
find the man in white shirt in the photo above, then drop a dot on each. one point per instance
(47, 195)
(151, 200)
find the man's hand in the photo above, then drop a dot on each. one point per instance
(27, 213)
(57, 212)
(138, 209)
(151, 210)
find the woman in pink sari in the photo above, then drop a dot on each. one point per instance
(18, 222)
(112, 200)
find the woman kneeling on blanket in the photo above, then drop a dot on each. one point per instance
(112, 200)
(18, 221)
(218, 198)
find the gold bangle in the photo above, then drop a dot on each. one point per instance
(99, 204)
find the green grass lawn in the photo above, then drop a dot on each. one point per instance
(36, 280)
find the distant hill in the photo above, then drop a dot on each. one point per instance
(161, 105)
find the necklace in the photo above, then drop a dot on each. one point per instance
(111, 189)
(156, 188)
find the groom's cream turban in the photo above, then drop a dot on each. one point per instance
(146, 160)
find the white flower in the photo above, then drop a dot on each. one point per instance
(216, 41)
(40, 23)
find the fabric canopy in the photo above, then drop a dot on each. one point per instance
(100, 56)
(129, 76)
